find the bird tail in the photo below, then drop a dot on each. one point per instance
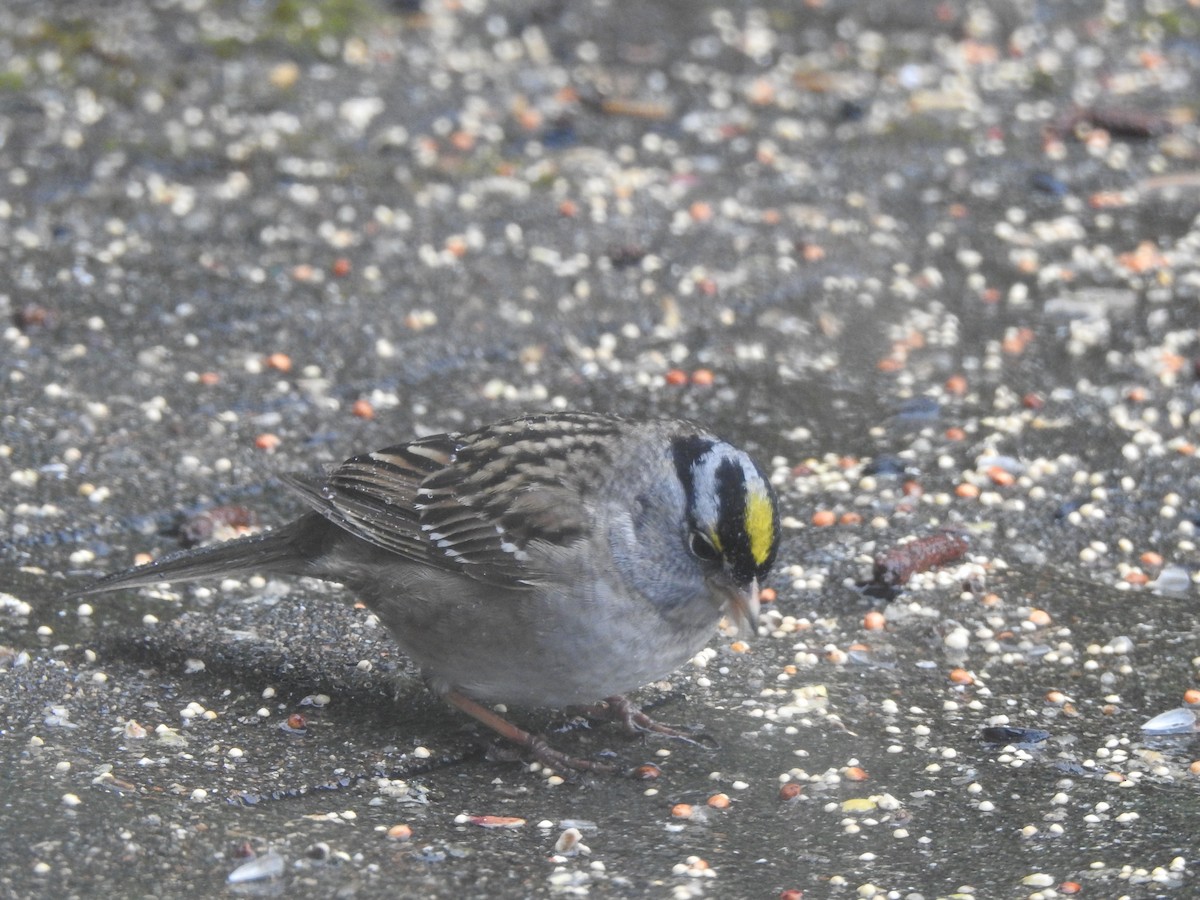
(279, 551)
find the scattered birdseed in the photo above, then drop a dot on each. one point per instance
(1079, 287)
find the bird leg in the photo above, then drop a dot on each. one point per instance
(625, 712)
(533, 744)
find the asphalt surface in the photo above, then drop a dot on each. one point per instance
(936, 265)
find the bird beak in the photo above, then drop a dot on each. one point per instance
(743, 609)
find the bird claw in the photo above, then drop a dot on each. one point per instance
(625, 712)
(533, 744)
(615, 709)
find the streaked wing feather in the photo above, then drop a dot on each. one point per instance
(473, 503)
(372, 496)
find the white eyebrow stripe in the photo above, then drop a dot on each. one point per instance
(706, 504)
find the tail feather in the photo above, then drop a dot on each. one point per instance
(275, 551)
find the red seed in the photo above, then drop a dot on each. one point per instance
(957, 385)
(280, 362)
(823, 518)
(1001, 477)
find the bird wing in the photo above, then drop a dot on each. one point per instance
(373, 496)
(480, 504)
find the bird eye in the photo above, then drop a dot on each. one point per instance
(702, 547)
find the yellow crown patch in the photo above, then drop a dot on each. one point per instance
(760, 526)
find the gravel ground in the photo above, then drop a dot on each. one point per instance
(936, 264)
